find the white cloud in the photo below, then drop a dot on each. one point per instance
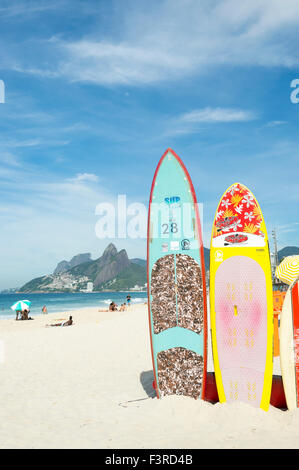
(123, 63)
(217, 115)
(27, 8)
(179, 38)
(9, 159)
(195, 120)
(33, 143)
(292, 227)
(85, 177)
(275, 123)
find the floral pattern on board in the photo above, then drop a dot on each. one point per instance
(238, 211)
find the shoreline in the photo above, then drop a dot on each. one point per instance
(83, 315)
(58, 312)
(69, 302)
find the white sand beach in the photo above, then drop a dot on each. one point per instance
(90, 386)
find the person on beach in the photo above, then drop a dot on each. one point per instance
(44, 309)
(24, 315)
(66, 323)
(113, 307)
(18, 312)
(128, 300)
(123, 307)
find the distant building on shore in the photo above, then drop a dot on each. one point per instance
(137, 288)
(89, 287)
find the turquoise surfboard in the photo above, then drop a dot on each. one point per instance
(176, 282)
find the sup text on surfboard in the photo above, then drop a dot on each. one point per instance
(295, 93)
(2, 92)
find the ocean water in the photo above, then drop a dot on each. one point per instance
(66, 302)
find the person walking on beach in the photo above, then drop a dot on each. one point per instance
(128, 300)
(44, 309)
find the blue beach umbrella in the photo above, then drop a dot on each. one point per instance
(21, 305)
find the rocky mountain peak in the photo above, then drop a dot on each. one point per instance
(110, 251)
(75, 261)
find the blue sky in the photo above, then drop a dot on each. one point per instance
(95, 91)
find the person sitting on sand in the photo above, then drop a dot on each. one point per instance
(123, 307)
(66, 323)
(112, 307)
(24, 314)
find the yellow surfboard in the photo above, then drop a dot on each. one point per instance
(241, 300)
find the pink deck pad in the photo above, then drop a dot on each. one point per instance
(241, 328)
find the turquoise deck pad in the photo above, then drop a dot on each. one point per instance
(179, 337)
(173, 231)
